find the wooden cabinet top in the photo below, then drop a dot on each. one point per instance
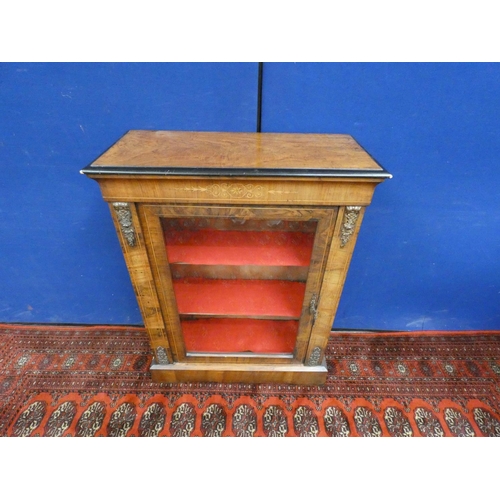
(163, 153)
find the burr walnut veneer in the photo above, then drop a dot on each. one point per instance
(237, 245)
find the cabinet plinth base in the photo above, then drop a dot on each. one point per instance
(240, 373)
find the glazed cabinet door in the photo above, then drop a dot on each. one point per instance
(238, 283)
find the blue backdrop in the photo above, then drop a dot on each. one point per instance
(428, 255)
(60, 260)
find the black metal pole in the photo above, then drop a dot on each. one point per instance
(259, 98)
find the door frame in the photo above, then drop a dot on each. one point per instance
(150, 216)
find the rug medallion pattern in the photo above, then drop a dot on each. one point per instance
(94, 381)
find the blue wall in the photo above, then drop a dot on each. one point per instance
(60, 261)
(428, 255)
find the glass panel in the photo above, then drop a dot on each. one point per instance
(239, 335)
(239, 285)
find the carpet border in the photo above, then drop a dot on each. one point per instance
(333, 333)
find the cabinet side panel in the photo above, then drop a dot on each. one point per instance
(129, 233)
(344, 239)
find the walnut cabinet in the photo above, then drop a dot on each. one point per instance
(237, 245)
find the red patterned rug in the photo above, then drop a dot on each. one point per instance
(94, 381)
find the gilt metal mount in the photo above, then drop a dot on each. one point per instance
(124, 216)
(314, 358)
(351, 215)
(161, 356)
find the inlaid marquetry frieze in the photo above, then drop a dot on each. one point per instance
(226, 190)
(235, 191)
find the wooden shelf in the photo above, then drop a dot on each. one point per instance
(261, 248)
(239, 336)
(247, 272)
(257, 298)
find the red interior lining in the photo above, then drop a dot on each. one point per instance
(239, 297)
(239, 335)
(209, 246)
